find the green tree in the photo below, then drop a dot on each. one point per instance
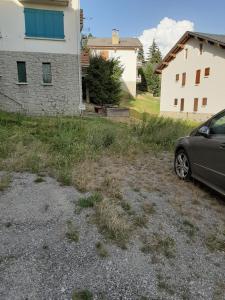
(104, 80)
(154, 54)
(141, 56)
(153, 80)
(142, 86)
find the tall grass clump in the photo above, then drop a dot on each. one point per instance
(162, 133)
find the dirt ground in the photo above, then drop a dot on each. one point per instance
(175, 251)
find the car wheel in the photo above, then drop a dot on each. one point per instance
(182, 165)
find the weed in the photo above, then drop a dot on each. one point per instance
(149, 208)
(163, 285)
(189, 228)
(101, 250)
(39, 180)
(72, 234)
(214, 243)
(159, 245)
(82, 295)
(5, 181)
(90, 201)
(126, 206)
(140, 221)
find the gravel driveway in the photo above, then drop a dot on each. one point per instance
(178, 254)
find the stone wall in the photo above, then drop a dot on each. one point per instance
(35, 98)
(198, 117)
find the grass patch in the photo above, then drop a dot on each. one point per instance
(90, 201)
(101, 250)
(163, 285)
(5, 182)
(112, 222)
(72, 233)
(82, 295)
(156, 244)
(140, 221)
(189, 228)
(214, 243)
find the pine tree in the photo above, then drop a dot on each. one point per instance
(154, 54)
(141, 56)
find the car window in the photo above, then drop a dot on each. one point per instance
(217, 125)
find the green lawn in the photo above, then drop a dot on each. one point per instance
(144, 103)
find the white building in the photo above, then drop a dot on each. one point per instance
(193, 77)
(124, 49)
(40, 56)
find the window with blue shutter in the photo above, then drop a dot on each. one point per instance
(44, 23)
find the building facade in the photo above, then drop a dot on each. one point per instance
(40, 56)
(124, 49)
(192, 77)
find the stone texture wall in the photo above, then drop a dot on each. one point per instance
(35, 98)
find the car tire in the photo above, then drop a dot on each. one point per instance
(182, 165)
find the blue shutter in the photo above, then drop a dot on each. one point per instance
(44, 23)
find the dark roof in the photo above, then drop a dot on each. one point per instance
(214, 39)
(107, 43)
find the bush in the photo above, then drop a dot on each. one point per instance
(104, 81)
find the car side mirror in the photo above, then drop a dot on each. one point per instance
(204, 131)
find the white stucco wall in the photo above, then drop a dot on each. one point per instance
(212, 87)
(12, 29)
(128, 59)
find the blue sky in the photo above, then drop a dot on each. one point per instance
(132, 17)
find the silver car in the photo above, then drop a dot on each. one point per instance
(202, 154)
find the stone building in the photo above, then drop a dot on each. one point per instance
(40, 70)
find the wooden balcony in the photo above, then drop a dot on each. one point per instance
(47, 2)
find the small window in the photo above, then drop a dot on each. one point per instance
(207, 72)
(182, 104)
(183, 79)
(195, 104)
(218, 125)
(22, 73)
(198, 77)
(186, 53)
(201, 48)
(175, 102)
(177, 77)
(204, 101)
(47, 73)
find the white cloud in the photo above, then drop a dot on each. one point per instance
(166, 34)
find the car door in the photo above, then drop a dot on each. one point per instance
(207, 154)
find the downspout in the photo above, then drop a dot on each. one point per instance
(81, 106)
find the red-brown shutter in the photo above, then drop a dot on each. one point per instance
(183, 79)
(182, 104)
(204, 101)
(198, 77)
(207, 72)
(195, 104)
(177, 77)
(175, 102)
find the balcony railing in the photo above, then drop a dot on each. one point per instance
(47, 2)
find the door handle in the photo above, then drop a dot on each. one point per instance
(222, 146)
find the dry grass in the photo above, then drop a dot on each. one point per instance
(5, 182)
(101, 250)
(112, 222)
(157, 244)
(72, 233)
(215, 243)
(149, 208)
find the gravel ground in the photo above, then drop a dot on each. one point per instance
(37, 261)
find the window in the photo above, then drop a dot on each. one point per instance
(198, 77)
(183, 79)
(204, 101)
(218, 125)
(104, 54)
(22, 73)
(195, 104)
(186, 53)
(207, 72)
(177, 77)
(182, 104)
(47, 73)
(175, 102)
(201, 48)
(44, 23)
